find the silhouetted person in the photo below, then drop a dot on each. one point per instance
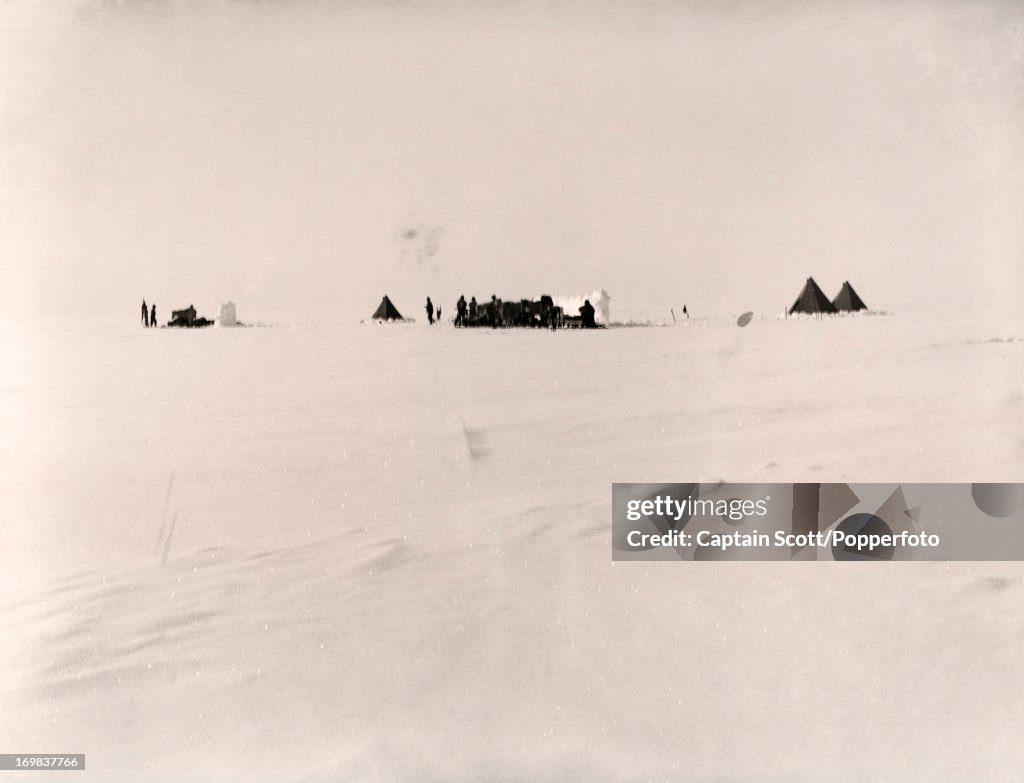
(439, 315)
(473, 308)
(145, 320)
(430, 311)
(460, 311)
(587, 315)
(547, 311)
(152, 315)
(684, 312)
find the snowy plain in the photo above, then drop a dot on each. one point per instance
(372, 552)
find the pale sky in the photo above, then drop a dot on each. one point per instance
(303, 158)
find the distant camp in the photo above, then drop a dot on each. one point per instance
(812, 300)
(187, 318)
(495, 313)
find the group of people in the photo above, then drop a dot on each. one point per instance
(525, 313)
(472, 313)
(472, 310)
(148, 318)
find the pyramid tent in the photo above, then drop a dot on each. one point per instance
(812, 300)
(386, 311)
(847, 299)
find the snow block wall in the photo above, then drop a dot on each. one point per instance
(599, 300)
(226, 317)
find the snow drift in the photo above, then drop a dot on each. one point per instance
(226, 316)
(386, 560)
(599, 299)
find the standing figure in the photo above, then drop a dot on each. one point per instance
(439, 315)
(430, 311)
(473, 308)
(145, 320)
(684, 312)
(587, 315)
(152, 315)
(460, 311)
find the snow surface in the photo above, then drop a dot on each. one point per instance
(382, 552)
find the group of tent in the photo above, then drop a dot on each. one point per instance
(813, 300)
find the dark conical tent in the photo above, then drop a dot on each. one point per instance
(847, 299)
(386, 311)
(812, 300)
